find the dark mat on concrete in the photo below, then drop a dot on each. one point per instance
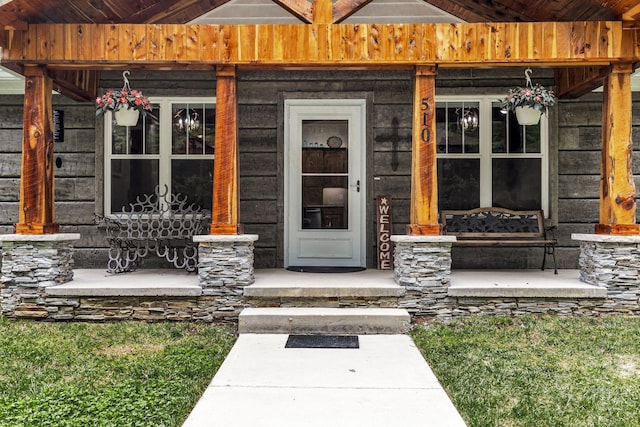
(322, 341)
(303, 269)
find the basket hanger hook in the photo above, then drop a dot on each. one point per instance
(126, 80)
(527, 75)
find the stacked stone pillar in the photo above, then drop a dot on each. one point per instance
(225, 268)
(612, 262)
(422, 265)
(30, 264)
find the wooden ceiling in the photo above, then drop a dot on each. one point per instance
(18, 13)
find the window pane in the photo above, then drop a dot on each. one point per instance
(152, 130)
(532, 138)
(498, 129)
(454, 132)
(458, 127)
(517, 183)
(458, 183)
(209, 128)
(192, 125)
(194, 179)
(441, 128)
(131, 178)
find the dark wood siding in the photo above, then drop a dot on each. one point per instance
(574, 153)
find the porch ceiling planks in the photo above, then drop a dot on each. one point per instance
(534, 10)
(178, 46)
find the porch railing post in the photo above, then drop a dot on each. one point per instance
(617, 189)
(225, 209)
(424, 177)
(37, 212)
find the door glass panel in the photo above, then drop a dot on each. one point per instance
(325, 174)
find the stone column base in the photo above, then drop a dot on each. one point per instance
(422, 265)
(31, 263)
(612, 262)
(225, 267)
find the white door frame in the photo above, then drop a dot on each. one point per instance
(353, 110)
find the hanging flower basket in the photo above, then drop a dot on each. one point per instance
(126, 104)
(522, 100)
(126, 116)
(528, 115)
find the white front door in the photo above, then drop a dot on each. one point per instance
(324, 182)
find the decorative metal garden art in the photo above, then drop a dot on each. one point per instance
(160, 222)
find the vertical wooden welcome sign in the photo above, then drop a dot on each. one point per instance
(383, 230)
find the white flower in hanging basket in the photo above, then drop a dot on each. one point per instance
(536, 97)
(122, 100)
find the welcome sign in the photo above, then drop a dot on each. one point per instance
(383, 223)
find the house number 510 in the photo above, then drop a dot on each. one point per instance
(425, 132)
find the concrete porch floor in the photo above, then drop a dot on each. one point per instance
(464, 283)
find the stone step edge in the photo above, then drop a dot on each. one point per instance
(562, 292)
(317, 291)
(324, 320)
(75, 290)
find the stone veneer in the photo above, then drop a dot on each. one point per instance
(225, 267)
(30, 264)
(612, 262)
(422, 265)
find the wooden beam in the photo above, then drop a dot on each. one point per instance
(322, 12)
(301, 9)
(177, 46)
(424, 176)
(226, 200)
(79, 85)
(36, 214)
(342, 9)
(617, 189)
(573, 82)
(632, 14)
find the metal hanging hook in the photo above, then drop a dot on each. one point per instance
(126, 80)
(527, 75)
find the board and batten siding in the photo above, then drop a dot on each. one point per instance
(574, 154)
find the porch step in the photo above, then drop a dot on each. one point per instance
(339, 321)
(329, 295)
(370, 288)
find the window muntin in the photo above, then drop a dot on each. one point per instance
(507, 169)
(158, 151)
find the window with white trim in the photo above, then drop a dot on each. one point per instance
(171, 147)
(485, 158)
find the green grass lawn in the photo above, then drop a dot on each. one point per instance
(113, 374)
(536, 371)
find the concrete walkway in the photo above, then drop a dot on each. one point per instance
(386, 382)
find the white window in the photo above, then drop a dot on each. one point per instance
(485, 158)
(170, 148)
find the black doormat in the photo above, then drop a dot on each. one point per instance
(322, 341)
(325, 269)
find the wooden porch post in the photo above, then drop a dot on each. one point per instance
(424, 177)
(225, 209)
(37, 212)
(617, 189)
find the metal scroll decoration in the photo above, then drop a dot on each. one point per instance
(159, 223)
(492, 222)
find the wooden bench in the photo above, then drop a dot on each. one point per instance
(499, 227)
(159, 223)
